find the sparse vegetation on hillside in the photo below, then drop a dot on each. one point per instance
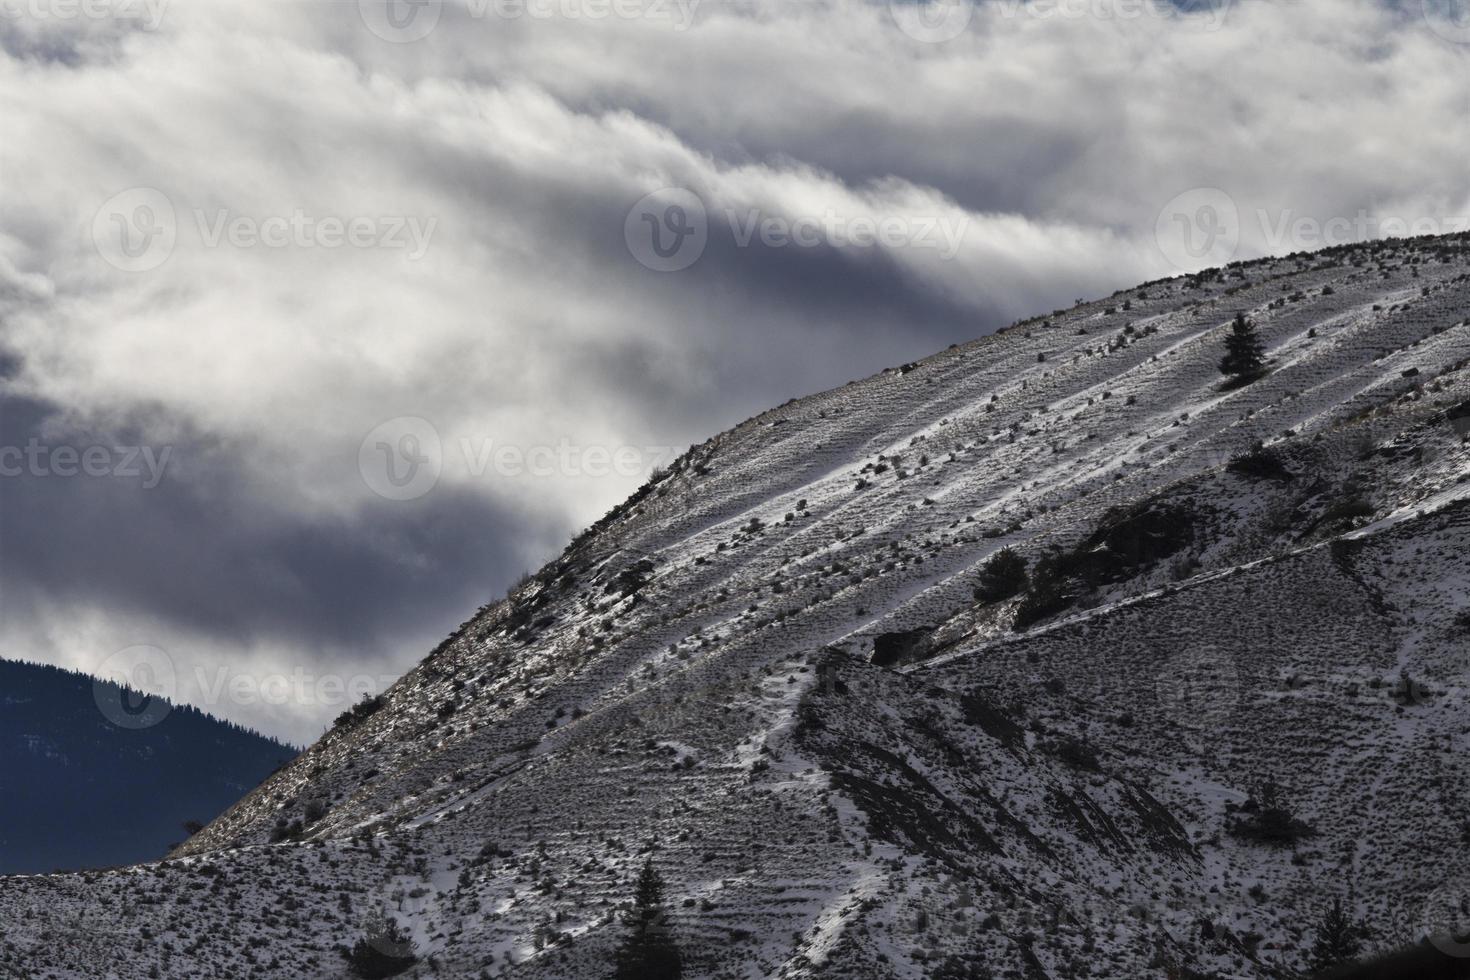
(1266, 819)
(843, 762)
(384, 949)
(365, 708)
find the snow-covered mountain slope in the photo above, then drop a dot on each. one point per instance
(1075, 782)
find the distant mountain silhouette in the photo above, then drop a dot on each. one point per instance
(82, 791)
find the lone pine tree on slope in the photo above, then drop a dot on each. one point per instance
(649, 952)
(1339, 939)
(1244, 353)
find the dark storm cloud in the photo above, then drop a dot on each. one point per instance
(170, 541)
(234, 142)
(198, 551)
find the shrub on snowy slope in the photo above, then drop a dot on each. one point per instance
(384, 951)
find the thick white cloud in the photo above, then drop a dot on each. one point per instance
(1014, 167)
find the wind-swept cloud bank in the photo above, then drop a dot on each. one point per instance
(409, 293)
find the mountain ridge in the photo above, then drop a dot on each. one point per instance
(86, 791)
(1241, 601)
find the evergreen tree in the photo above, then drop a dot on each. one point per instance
(649, 952)
(1003, 576)
(1245, 355)
(1339, 939)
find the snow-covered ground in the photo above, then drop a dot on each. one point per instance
(690, 681)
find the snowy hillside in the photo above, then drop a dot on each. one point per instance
(1232, 690)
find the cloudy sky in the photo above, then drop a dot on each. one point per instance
(322, 321)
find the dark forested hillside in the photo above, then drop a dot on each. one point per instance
(80, 791)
